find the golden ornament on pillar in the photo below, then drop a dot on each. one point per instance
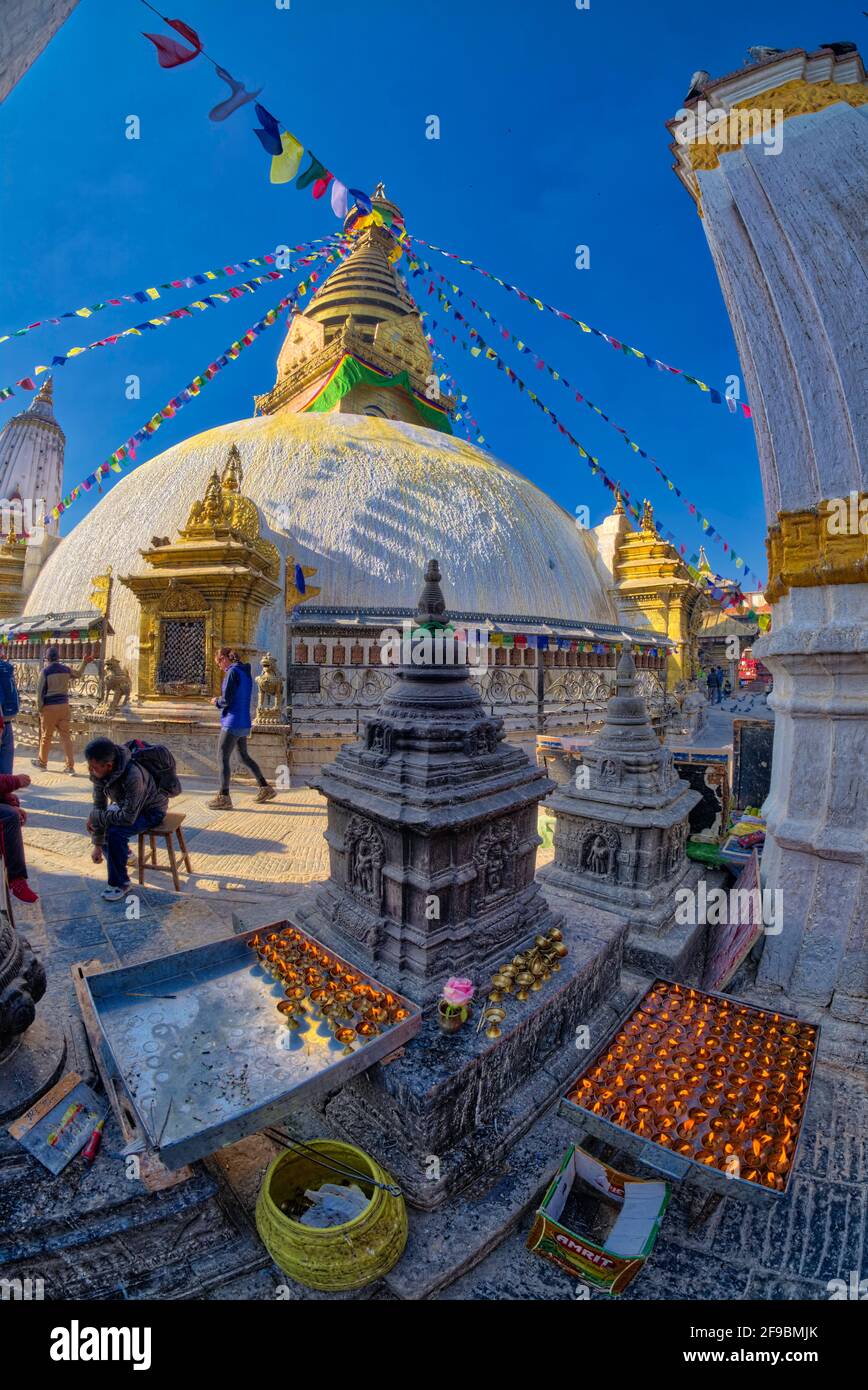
(826, 544)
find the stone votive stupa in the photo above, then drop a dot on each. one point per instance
(621, 834)
(432, 834)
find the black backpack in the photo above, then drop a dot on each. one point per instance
(159, 762)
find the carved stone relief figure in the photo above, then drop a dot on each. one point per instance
(494, 858)
(599, 854)
(677, 843)
(610, 772)
(365, 856)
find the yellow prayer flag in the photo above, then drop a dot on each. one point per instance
(152, 293)
(584, 327)
(284, 166)
(83, 313)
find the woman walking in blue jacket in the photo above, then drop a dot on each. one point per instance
(235, 724)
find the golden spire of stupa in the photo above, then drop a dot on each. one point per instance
(233, 473)
(363, 310)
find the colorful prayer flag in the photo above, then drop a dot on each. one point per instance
(284, 166)
(170, 53)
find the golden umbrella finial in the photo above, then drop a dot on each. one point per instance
(233, 473)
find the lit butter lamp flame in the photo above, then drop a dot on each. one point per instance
(720, 1082)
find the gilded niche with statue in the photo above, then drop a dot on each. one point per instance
(203, 590)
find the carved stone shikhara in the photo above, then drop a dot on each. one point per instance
(432, 827)
(620, 842)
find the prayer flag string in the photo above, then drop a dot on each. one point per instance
(211, 301)
(715, 396)
(284, 150)
(188, 282)
(480, 348)
(128, 450)
(710, 531)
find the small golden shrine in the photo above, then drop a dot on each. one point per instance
(656, 589)
(13, 553)
(203, 590)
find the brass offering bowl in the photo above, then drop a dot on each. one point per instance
(347, 1036)
(493, 1017)
(287, 1008)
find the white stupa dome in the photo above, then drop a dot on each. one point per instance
(367, 501)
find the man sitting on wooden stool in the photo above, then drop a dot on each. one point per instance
(126, 801)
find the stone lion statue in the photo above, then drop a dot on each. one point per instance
(117, 686)
(269, 683)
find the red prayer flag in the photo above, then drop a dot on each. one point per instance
(170, 53)
(322, 184)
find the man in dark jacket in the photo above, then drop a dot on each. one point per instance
(235, 724)
(126, 802)
(9, 705)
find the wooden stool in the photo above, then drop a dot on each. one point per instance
(170, 825)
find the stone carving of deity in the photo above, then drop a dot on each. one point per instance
(666, 771)
(676, 848)
(610, 772)
(598, 856)
(494, 858)
(600, 851)
(365, 855)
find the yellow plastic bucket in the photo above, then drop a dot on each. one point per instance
(333, 1258)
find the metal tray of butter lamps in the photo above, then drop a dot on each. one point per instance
(701, 1086)
(202, 1047)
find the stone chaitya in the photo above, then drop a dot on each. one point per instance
(621, 835)
(432, 824)
(432, 838)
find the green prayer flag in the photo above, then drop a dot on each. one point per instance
(314, 171)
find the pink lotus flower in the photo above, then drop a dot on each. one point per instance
(458, 991)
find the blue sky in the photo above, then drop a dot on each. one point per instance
(552, 135)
